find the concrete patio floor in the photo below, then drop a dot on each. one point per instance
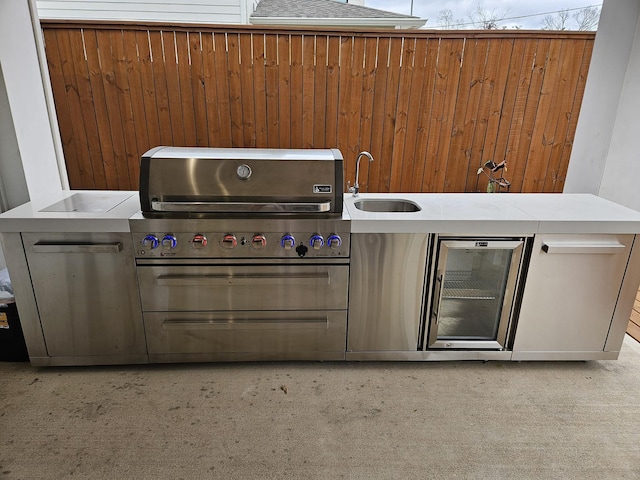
(468, 420)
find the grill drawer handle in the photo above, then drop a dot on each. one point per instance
(42, 247)
(244, 324)
(241, 207)
(242, 280)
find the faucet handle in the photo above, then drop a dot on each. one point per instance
(350, 188)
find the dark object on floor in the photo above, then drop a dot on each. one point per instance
(12, 345)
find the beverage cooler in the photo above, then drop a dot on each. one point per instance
(474, 292)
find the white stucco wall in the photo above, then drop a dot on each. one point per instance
(605, 159)
(38, 148)
(621, 177)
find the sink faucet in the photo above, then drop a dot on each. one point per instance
(356, 186)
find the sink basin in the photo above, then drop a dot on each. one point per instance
(393, 205)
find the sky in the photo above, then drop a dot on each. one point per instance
(429, 9)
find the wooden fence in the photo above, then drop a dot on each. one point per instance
(432, 107)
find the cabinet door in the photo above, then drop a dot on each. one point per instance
(87, 294)
(570, 294)
(386, 291)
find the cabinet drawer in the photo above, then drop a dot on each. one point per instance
(279, 332)
(263, 287)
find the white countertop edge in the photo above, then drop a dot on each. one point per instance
(17, 225)
(590, 226)
(457, 227)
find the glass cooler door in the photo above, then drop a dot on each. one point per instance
(474, 285)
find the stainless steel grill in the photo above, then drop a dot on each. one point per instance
(242, 254)
(201, 182)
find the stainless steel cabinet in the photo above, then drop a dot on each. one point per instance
(87, 296)
(571, 294)
(386, 291)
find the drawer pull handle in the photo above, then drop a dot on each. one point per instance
(584, 248)
(43, 247)
(245, 324)
(242, 280)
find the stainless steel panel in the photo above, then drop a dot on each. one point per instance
(317, 356)
(429, 355)
(25, 299)
(245, 287)
(94, 202)
(88, 302)
(280, 334)
(203, 178)
(243, 229)
(626, 300)
(215, 249)
(141, 224)
(569, 299)
(559, 356)
(89, 360)
(386, 291)
(241, 177)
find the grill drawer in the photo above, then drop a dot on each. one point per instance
(243, 288)
(299, 334)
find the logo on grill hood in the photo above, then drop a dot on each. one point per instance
(322, 188)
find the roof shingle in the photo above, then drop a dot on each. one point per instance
(320, 9)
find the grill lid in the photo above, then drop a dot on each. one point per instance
(194, 181)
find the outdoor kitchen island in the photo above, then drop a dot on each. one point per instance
(463, 276)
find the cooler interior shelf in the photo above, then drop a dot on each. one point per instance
(462, 285)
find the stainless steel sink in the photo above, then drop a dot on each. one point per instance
(392, 205)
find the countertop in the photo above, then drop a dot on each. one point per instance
(448, 213)
(74, 211)
(483, 213)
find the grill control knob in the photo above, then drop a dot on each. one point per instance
(287, 241)
(259, 241)
(334, 241)
(229, 241)
(150, 241)
(199, 241)
(169, 241)
(316, 241)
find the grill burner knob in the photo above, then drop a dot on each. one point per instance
(316, 241)
(334, 241)
(287, 241)
(169, 241)
(258, 241)
(150, 241)
(199, 241)
(229, 241)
